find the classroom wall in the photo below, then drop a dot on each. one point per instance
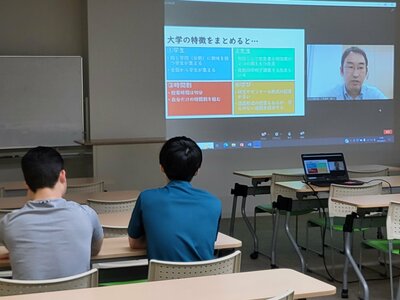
(126, 68)
(123, 103)
(41, 27)
(44, 27)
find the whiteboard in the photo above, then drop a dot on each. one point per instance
(40, 101)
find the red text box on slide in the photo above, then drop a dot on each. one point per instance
(199, 98)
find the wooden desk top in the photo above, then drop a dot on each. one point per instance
(18, 202)
(394, 181)
(370, 201)
(266, 174)
(20, 185)
(301, 187)
(238, 286)
(115, 219)
(112, 248)
(118, 247)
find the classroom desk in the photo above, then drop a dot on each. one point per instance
(118, 248)
(303, 190)
(21, 185)
(258, 177)
(122, 219)
(365, 205)
(18, 202)
(237, 286)
(112, 248)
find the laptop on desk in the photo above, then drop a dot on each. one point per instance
(323, 169)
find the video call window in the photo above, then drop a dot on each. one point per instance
(347, 72)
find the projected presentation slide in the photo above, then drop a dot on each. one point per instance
(269, 73)
(233, 72)
(350, 72)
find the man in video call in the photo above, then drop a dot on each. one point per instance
(354, 70)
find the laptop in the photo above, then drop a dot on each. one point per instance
(323, 169)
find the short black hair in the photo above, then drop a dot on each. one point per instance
(41, 167)
(180, 157)
(354, 50)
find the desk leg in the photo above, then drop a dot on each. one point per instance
(349, 258)
(345, 285)
(273, 242)
(250, 227)
(233, 216)
(241, 190)
(294, 244)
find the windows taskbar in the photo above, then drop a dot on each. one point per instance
(293, 142)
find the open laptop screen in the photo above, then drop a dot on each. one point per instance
(325, 167)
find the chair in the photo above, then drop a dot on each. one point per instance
(276, 190)
(17, 287)
(386, 246)
(114, 231)
(375, 173)
(288, 295)
(86, 187)
(112, 206)
(164, 270)
(337, 212)
(123, 265)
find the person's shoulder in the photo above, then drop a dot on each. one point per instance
(337, 89)
(335, 93)
(15, 213)
(73, 204)
(151, 196)
(373, 93)
(150, 193)
(207, 195)
(83, 208)
(6, 219)
(15, 216)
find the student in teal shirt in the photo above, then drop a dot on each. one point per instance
(177, 222)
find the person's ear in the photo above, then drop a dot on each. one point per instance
(341, 71)
(162, 169)
(63, 176)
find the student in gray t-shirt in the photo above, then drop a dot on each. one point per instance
(49, 237)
